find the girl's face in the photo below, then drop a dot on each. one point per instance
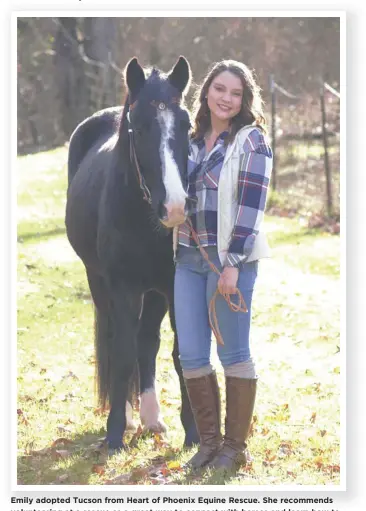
(224, 97)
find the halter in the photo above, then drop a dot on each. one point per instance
(160, 105)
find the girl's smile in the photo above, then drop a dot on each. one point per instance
(224, 96)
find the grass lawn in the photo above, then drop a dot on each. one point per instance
(295, 340)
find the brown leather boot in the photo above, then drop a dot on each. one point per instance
(240, 398)
(204, 396)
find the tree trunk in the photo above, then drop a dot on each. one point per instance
(69, 76)
(99, 39)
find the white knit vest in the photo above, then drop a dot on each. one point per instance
(228, 201)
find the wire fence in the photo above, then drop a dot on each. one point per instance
(326, 128)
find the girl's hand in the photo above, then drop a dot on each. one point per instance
(228, 280)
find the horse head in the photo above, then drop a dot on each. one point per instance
(159, 125)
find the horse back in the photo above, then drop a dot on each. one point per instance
(97, 128)
(88, 162)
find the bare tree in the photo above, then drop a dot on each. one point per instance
(69, 73)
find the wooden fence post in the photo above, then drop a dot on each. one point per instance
(273, 129)
(325, 145)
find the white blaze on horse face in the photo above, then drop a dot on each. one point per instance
(175, 194)
(150, 412)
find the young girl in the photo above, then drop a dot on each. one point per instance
(229, 168)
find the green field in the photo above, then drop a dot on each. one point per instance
(295, 340)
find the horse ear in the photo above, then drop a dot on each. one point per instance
(134, 77)
(180, 75)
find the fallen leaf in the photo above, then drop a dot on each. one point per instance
(270, 457)
(139, 473)
(22, 417)
(157, 480)
(101, 410)
(28, 398)
(174, 465)
(158, 459)
(98, 469)
(318, 461)
(70, 374)
(62, 478)
(248, 467)
(159, 441)
(64, 429)
(334, 468)
(287, 445)
(313, 417)
(163, 471)
(285, 449)
(136, 436)
(316, 387)
(122, 479)
(64, 441)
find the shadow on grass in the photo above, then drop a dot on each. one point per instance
(209, 477)
(35, 236)
(79, 454)
(74, 461)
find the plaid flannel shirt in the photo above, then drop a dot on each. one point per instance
(203, 180)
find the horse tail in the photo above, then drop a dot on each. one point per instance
(103, 339)
(103, 367)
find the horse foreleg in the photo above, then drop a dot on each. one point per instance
(148, 343)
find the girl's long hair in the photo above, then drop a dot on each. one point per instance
(251, 112)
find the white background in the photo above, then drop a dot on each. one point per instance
(354, 219)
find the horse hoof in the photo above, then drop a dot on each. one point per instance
(114, 448)
(158, 427)
(112, 451)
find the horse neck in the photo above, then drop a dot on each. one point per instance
(123, 136)
(123, 165)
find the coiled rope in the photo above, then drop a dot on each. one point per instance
(235, 307)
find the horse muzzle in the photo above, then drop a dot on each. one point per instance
(172, 215)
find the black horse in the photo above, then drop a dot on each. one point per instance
(126, 192)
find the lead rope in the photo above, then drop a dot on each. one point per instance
(240, 307)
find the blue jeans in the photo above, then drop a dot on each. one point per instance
(195, 283)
